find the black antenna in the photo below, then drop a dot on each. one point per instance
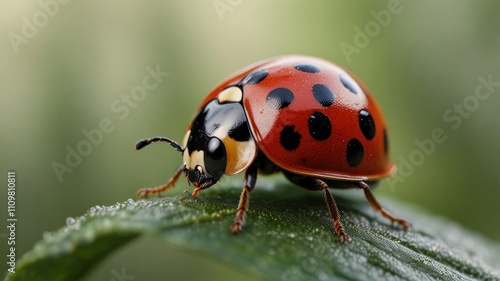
(145, 142)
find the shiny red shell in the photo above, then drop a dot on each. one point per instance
(351, 145)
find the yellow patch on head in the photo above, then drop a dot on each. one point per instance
(193, 160)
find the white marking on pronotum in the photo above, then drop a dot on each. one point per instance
(231, 94)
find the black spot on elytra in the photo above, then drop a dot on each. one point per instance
(240, 132)
(254, 77)
(386, 142)
(279, 98)
(350, 84)
(323, 95)
(320, 126)
(289, 139)
(355, 152)
(366, 124)
(306, 67)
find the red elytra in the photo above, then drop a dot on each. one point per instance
(325, 158)
(304, 116)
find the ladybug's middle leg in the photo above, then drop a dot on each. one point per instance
(317, 184)
(250, 180)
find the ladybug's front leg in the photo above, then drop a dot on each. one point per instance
(145, 192)
(250, 180)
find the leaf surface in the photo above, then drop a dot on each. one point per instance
(288, 236)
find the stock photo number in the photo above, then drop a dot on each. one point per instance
(11, 221)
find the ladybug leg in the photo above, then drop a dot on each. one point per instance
(317, 184)
(334, 212)
(145, 192)
(250, 180)
(377, 207)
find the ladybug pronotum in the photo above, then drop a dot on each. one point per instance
(306, 117)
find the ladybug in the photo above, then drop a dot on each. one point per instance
(306, 117)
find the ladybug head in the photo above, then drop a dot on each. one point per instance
(204, 159)
(217, 142)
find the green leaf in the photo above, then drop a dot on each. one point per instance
(288, 236)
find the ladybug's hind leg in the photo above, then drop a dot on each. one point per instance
(317, 184)
(250, 180)
(377, 207)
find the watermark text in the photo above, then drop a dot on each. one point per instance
(223, 7)
(121, 276)
(11, 221)
(121, 107)
(363, 36)
(31, 25)
(454, 116)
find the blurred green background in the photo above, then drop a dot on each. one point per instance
(67, 66)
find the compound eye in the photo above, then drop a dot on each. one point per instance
(215, 157)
